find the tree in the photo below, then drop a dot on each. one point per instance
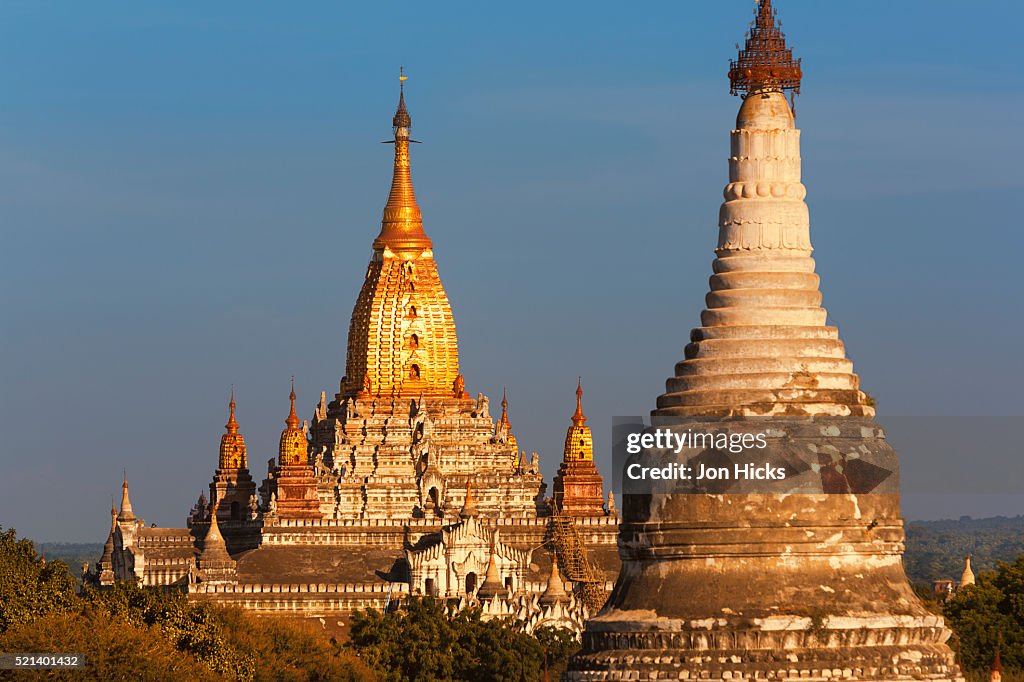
(28, 588)
(113, 648)
(989, 615)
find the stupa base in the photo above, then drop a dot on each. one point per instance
(858, 649)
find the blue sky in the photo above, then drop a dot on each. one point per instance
(189, 192)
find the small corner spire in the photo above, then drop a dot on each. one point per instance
(469, 506)
(578, 418)
(232, 425)
(292, 421)
(126, 513)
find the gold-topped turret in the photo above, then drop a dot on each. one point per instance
(232, 443)
(402, 224)
(293, 447)
(579, 441)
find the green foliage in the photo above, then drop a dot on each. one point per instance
(559, 645)
(28, 589)
(128, 632)
(113, 648)
(422, 641)
(194, 628)
(990, 615)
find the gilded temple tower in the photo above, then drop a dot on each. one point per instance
(402, 436)
(292, 484)
(232, 488)
(760, 585)
(578, 486)
(402, 300)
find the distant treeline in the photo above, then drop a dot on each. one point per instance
(936, 549)
(74, 554)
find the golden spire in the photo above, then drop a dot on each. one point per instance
(232, 443)
(578, 419)
(504, 424)
(126, 513)
(293, 446)
(293, 419)
(579, 441)
(232, 425)
(504, 413)
(402, 224)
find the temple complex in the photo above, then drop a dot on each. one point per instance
(400, 483)
(742, 586)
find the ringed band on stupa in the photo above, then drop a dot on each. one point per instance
(401, 483)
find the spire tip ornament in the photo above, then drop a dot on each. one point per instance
(578, 418)
(402, 223)
(765, 63)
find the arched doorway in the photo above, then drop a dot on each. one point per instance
(471, 583)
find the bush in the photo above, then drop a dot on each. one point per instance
(989, 615)
(28, 589)
(422, 640)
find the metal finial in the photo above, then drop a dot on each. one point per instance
(765, 63)
(402, 118)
